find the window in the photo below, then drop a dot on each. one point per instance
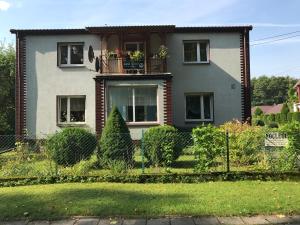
(195, 51)
(136, 104)
(70, 54)
(71, 109)
(199, 107)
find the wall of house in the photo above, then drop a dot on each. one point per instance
(137, 128)
(222, 75)
(45, 80)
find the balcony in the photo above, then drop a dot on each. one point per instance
(125, 65)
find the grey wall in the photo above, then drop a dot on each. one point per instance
(45, 81)
(218, 76)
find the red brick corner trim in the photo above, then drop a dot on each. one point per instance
(245, 76)
(20, 85)
(168, 112)
(100, 105)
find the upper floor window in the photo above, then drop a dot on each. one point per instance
(70, 54)
(196, 51)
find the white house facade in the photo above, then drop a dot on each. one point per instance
(73, 77)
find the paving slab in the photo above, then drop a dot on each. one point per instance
(182, 221)
(253, 220)
(206, 220)
(87, 221)
(110, 222)
(39, 222)
(279, 219)
(13, 222)
(135, 222)
(161, 221)
(231, 220)
(63, 222)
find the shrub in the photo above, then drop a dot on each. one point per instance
(115, 142)
(162, 145)
(71, 145)
(209, 142)
(273, 125)
(260, 123)
(296, 116)
(271, 117)
(245, 142)
(285, 109)
(283, 118)
(288, 157)
(289, 117)
(278, 118)
(258, 112)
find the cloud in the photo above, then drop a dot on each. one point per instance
(4, 5)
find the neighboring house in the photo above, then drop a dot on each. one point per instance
(205, 78)
(297, 105)
(268, 109)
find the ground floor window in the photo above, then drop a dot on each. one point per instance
(136, 104)
(199, 107)
(71, 109)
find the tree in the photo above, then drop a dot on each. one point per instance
(271, 90)
(258, 112)
(7, 89)
(115, 143)
(285, 109)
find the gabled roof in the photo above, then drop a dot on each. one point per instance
(268, 109)
(139, 28)
(297, 84)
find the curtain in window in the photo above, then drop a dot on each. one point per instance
(121, 97)
(77, 109)
(145, 104)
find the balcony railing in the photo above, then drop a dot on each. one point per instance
(128, 66)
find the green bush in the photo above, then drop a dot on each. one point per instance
(285, 109)
(273, 125)
(283, 118)
(162, 145)
(271, 117)
(209, 143)
(278, 118)
(260, 123)
(289, 117)
(71, 145)
(258, 112)
(288, 157)
(296, 116)
(245, 143)
(115, 143)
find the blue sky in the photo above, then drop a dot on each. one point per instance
(269, 18)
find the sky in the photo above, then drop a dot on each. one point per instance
(268, 17)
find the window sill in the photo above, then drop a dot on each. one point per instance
(71, 125)
(132, 124)
(198, 121)
(72, 66)
(196, 63)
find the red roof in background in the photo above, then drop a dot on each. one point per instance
(268, 109)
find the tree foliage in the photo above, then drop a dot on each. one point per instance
(7, 89)
(271, 90)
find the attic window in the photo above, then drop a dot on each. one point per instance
(70, 54)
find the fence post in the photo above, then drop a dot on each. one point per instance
(142, 152)
(227, 152)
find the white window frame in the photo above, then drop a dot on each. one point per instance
(68, 44)
(198, 61)
(201, 95)
(68, 109)
(133, 103)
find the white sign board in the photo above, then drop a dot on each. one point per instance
(276, 139)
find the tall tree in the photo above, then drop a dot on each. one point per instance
(7, 89)
(271, 90)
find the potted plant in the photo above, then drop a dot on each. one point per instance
(137, 56)
(162, 52)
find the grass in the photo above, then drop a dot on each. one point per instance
(140, 200)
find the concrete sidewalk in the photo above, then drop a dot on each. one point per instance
(255, 220)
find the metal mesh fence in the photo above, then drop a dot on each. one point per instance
(31, 157)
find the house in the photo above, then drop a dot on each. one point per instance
(73, 77)
(297, 105)
(268, 109)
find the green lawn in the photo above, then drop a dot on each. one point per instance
(130, 200)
